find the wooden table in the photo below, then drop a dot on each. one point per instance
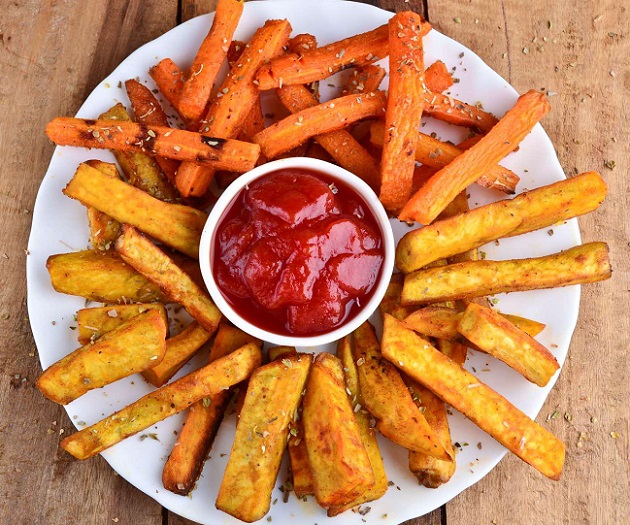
(53, 53)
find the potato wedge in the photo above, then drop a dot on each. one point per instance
(340, 465)
(175, 225)
(103, 229)
(586, 263)
(156, 266)
(477, 401)
(497, 336)
(104, 278)
(527, 212)
(166, 401)
(132, 347)
(388, 399)
(367, 432)
(92, 323)
(273, 395)
(391, 301)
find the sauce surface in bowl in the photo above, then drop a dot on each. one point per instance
(297, 253)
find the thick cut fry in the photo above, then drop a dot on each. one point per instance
(147, 110)
(432, 472)
(103, 229)
(391, 301)
(368, 434)
(104, 278)
(273, 395)
(339, 462)
(235, 100)
(529, 211)
(184, 465)
(171, 143)
(336, 114)
(405, 102)
(437, 154)
(497, 336)
(427, 203)
(441, 322)
(196, 91)
(453, 111)
(320, 63)
(140, 169)
(388, 400)
(179, 350)
(437, 78)
(170, 81)
(477, 401)
(157, 267)
(92, 323)
(587, 263)
(174, 224)
(164, 402)
(132, 347)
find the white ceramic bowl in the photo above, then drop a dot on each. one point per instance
(334, 172)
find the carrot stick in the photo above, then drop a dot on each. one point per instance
(336, 114)
(453, 111)
(196, 91)
(300, 44)
(171, 143)
(437, 78)
(404, 109)
(169, 80)
(148, 111)
(427, 203)
(436, 154)
(364, 79)
(237, 96)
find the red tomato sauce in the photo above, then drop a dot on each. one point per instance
(297, 253)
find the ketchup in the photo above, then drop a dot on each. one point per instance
(297, 253)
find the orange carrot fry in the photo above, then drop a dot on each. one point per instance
(453, 111)
(196, 91)
(427, 203)
(404, 109)
(169, 80)
(300, 44)
(336, 114)
(171, 143)
(437, 78)
(148, 111)
(364, 79)
(236, 98)
(434, 153)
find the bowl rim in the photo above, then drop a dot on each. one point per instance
(330, 170)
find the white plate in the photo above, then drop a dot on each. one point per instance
(59, 225)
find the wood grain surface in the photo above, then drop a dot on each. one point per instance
(53, 53)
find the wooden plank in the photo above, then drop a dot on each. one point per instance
(52, 54)
(575, 61)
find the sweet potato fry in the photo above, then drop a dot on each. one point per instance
(235, 100)
(388, 400)
(529, 211)
(147, 110)
(104, 278)
(464, 392)
(273, 395)
(405, 103)
(299, 127)
(175, 225)
(339, 462)
(426, 204)
(368, 434)
(441, 322)
(164, 402)
(437, 77)
(103, 229)
(185, 463)
(132, 347)
(179, 350)
(586, 263)
(453, 111)
(437, 154)
(170, 81)
(92, 323)
(156, 266)
(497, 336)
(172, 143)
(196, 90)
